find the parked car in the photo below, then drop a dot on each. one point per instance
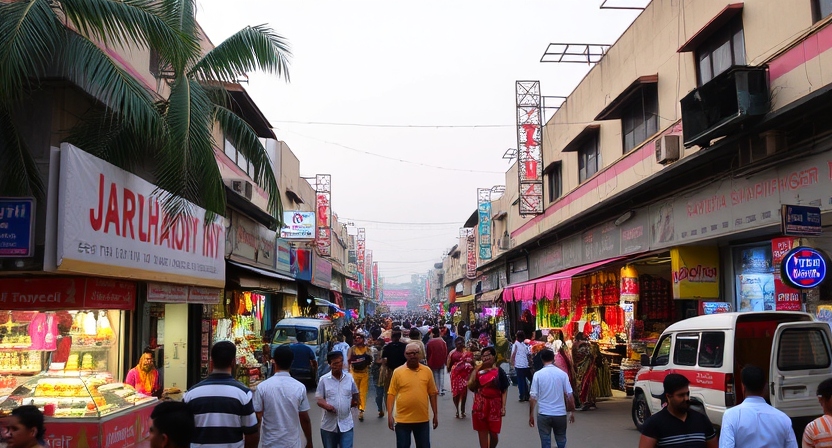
(316, 333)
(793, 349)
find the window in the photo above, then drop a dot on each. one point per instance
(711, 349)
(821, 9)
(238, 158)
(554, 181)
(803, 349)
(686, 347)
(640, 118)
(721, 51)
(589, 159)
(661, 356)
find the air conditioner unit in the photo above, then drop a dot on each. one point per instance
(504, 243)
(243, 188)
(667, 149)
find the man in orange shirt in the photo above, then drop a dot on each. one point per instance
(411, 388)
(818, 433)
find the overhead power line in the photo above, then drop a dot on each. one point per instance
(383, 125)
(456, 223)
(395, 159)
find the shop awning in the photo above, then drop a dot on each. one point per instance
(322, 302)
(263, 272)
(463, 299)
(490, 296)
(553, 285)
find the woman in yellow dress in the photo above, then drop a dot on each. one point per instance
(360, 357)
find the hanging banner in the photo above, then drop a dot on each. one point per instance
(283, 259)
(360, 239)
(529, 149)
(375, 280)
(471, 272)
(368, 274)
(300, 264)
(484, 227)
(321, 271)
(67, 293)
(695, 272)
(323, 234)
(110, 222)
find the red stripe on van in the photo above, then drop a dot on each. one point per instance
(698, 378)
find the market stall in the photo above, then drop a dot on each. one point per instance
(237, 318)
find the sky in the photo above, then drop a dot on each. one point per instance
(410, 106)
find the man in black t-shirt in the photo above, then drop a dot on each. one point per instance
(676, 425)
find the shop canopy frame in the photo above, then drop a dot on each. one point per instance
(553, 285)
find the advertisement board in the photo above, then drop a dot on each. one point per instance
(298, 225)
(300, 264)
(17, 227)
(56, 293)
(695, 271)
(111, 222)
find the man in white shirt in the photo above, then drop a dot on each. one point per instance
(755, 422)
(552, 391)
(520, 362)
(337, 394)
(281, 406)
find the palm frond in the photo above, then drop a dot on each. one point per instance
(30, 36)
(252, 48)
(183, 16)
(88, 67)
(140, 23)
(245, 139)
(186, 166)
(19, 174)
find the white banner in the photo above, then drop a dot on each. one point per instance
(166, 293)
(298, 225)
(110, 223)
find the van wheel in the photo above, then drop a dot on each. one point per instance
(641, 410)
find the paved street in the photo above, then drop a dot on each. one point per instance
(608, 426)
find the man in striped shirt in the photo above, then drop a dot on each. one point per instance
(222, 406)
(818, 434)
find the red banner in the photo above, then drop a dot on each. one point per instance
(66, 293)
(786, 298)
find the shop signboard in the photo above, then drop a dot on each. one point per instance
(354, 286)
(166, 293)
(716, 307)
(800, 220)
(282, 261)
(66, 293)
(804, 267)
(111, 222)
(756, 292)
(251, 242)
(545, 261)
(786, 298)
(71, 435)
(571, 250)
(634, 233)
(321, 271)
(205, 296)
(601, 243)
(126, 430)
(695, 271)
(17, 227)
(300, 264)
(298, 225)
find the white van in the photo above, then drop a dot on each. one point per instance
(792, 348)
(317, 334)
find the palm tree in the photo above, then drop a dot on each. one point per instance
(172, 130)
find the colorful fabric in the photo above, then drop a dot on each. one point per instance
(460, 371)
(144, 383)
(585, 369)
(486, 413)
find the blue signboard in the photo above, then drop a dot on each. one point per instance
(804, 267)
(800, 220)
(17, 222)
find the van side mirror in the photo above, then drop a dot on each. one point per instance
(645, 360)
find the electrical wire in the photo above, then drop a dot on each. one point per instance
(383, 125)
(426, 165)
(456, 223)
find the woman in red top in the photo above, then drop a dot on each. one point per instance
(460, 364)
(490, 386)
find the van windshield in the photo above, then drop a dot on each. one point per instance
(284, 335)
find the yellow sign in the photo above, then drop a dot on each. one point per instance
(695, 272)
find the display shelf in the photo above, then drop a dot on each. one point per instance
(16, 348)
(20, 372)
(89, 348)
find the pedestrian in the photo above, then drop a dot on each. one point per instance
(337, 394)
(375, 374)
(552, 393)
(460, 364)
(416, 338)
(437, 354)
(171, 425)
(281, 405)
(24, 428)
(818, 433)
(755, 422)
(360, 357)
(520, 356)
(223, 407)
(304, 359)
(411, 390)
(586, 370)
(676, 424)
(344, 348)
(564, 362)
(393, 353)
(490, 386)
(144, 377)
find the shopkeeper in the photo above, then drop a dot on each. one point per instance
(144, 377)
